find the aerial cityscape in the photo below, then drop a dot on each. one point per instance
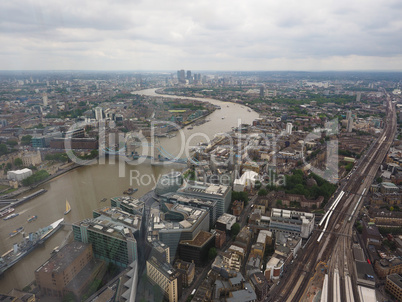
(201, 186)
(181, 151)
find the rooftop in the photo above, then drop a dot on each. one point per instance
(109, 227)
(226, 218)
(61, 260)
(130, 202)
(199, 240)
(202, 188)
(396, 278)
(118, 215)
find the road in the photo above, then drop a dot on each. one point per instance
(334, 248)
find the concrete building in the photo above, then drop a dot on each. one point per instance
(165, 277)
(394, 286)
(274, 268)
(19, 175)
(350, 125)
(45, 100)
(186, 270)
(225, 222)
(384, 267)
(219, 193)
(292, 222)
(128, 204)
(220, 238)
(112, 237)
(210, 206)
(99, 113)
(175, 223)
(196, 250)
(160, 251)
(289, 127)
(260, 285)
(169, 183)
(246, 181)
(371, 235)
(72, 269)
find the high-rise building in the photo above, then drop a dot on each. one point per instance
(177, 222)
(348, 114)
(45, 100)
(165, 277)
(112, 237)
(358, 96)
(204, 191)
(350, 124)
(289, 127)
(262, 91)
(181, 76)
(98, 113)
(189, 75)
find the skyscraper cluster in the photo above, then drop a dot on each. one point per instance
(184, 77)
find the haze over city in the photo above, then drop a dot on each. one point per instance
(207, 35)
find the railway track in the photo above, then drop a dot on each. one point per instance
(331, 247)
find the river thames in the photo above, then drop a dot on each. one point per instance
(86, 186)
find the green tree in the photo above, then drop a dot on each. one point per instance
(3, 149)
(279, 203)
(379, 180)
(18, 162)
(212, 253)
(12, 143)
(26, 140)
(243, 196)
(235, 229)
(262, 192)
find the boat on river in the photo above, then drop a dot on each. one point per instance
(27, 245)
(16, 232)
(32, 218)
(68, 208)
(11, 216)
(130, 191)
(6, 212)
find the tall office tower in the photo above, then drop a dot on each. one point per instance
(44, 98)
(262, 91)
(98, 113)
(189, 75)
(289, 127)
(348, 114)
(112, 235)
(166, 277)
(358, 96)
(181, 76)
(350, 124)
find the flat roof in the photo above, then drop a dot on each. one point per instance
(62, 259)
(366, 294)
(396, 278)
(199, 240)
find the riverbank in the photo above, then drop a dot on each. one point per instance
(85, 188)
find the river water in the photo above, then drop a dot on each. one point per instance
(85, 186)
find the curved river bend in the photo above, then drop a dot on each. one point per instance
(84, 187)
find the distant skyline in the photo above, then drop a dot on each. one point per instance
(308, 35)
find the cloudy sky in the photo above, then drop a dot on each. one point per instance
(201, 35)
